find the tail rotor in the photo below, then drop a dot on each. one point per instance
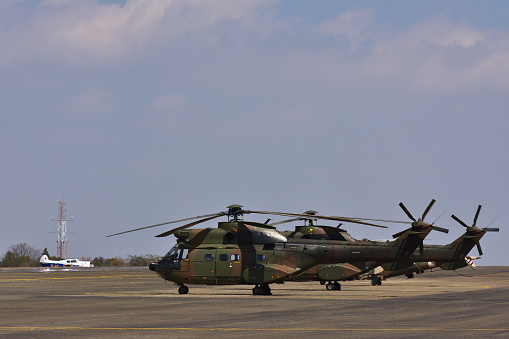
(419, 226)
(473, 231)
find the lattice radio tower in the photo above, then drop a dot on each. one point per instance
(62, 230)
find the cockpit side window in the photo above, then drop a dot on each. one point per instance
(183, 253)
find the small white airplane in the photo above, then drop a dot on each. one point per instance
(45, 262)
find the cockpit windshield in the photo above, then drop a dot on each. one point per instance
(172, 254)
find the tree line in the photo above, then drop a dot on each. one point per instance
(24, 255)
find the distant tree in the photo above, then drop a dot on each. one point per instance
(21, 255)
(117, 262)
(23, 249)
(98, 262)
(138, 260)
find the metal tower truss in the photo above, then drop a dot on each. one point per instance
(62, 230)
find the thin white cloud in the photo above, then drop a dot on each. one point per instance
(84, 31)
(355, 25)
(434, 54)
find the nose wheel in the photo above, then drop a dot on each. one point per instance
(263, 289)
(183, 289)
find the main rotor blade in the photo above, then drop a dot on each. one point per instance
(459, 220)
(170, 232)
(491, 229)
(316, 216)
(285, 221)
(381, 220)
(406, 211)
(476, 215)
(169, 222)
(428, 208)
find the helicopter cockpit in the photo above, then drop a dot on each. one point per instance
(174, 256)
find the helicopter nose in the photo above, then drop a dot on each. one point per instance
(152, 266)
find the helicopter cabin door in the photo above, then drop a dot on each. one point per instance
(204, 263)
(228, 265)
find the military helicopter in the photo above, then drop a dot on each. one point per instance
(245, 252)
(330, 274)
(447, 257)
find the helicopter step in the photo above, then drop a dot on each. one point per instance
(263, 289)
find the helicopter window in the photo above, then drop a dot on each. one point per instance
(183, 254)
(171, 253)
(235, 257)
(223, 257)
(260, 257)
(209, 257)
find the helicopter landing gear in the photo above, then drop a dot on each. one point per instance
(263, 289)
(335, 286)
(183, 289)
(376, 280)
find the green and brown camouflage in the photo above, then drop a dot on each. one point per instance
(240, 252)
(407, 242)
(448, 257)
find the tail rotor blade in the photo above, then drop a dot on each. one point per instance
(428, 208)
(406, 211)
(397, 235)
(476, 215)
(459, 220)
(441, 229)
(479, 248)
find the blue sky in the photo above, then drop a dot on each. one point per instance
(140, 112)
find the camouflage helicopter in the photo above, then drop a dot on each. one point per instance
(447, 257)
(242, 252)
(330, 274)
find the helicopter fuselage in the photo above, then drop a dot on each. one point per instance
(238, 253)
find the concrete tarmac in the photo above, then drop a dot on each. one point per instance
(134, 302)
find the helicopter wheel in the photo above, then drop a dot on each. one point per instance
(262, 290)
(257, 290)
(335, 286)
(375, 280)
(322, 282)
(183, 289)
(266, 290)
